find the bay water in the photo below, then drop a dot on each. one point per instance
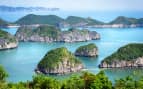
(21, 62)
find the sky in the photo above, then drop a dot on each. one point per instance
(103, 10)
(80, 5)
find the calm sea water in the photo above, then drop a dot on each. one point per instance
(21, 62)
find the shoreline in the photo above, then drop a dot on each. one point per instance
(93, 26)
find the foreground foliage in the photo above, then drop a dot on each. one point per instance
(85, 81)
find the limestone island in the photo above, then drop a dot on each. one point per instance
(89, 50)
(47, 33)
(75, 21)
(7, 41)
(59, 61)
(130, 55)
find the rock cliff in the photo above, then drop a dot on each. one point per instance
(89, 50)
(7, 41)
(59, 61)
(53, 34)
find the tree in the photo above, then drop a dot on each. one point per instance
(44, 82)
(101, 82)
(3, 74)
(126, 83)
(19, 85)
(74, 82)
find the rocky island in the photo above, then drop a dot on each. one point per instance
(7, 41)
(47, 33)
(89, 50)
(130, 55)
(59, 61)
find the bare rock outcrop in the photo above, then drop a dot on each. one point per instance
(7, 41)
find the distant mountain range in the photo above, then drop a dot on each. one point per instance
(13, 9)
(55, 20)
(126, 20)
(39, 19)
(74, 21)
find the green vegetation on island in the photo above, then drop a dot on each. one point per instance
(86, 47)
(59, 61)
(48, 33)
(55, 20)
(87, 50)
(72, 20)
(53, 57)
(75, 21)
(39, 19)
(127, 21)
(7, 37)
(43, 31)
(128, 52)
(7, 40)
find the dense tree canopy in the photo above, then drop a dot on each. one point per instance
(3, 74)
(84, 81)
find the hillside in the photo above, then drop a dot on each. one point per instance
(126, 21)
(55, 20)
(89, 50)
(39, 19)
(59, 61)
(130, 55)
(46, 33)
(7, 41)
(74, 20)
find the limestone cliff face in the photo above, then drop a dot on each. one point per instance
(89, 50)
(59, 61)
(63, 67)
(8, 45)
(30, 34)
(7, 41)
(120, 64)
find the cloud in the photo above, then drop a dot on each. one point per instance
(80, 5)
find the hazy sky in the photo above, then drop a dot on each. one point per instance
(81, 5)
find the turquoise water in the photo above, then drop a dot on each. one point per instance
(21, 62)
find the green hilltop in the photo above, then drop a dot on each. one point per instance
(39, 19)
(128, 53)
(54, 57)
(86, 47)
(126, 20)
